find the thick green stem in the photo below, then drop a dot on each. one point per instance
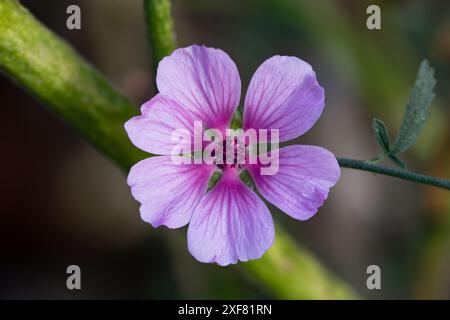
(159, 29)
(397, 173)
(294, 273)
(54, 73)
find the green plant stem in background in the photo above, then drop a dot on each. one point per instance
(54, 73)
(159, 29)
(294, 273)
(397, 173)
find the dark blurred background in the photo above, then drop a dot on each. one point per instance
(63, 203)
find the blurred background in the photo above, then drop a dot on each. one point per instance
(63, 203)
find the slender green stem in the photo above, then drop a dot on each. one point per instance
(397, 173)
(159, 29)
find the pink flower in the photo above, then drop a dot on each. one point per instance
(229, 222)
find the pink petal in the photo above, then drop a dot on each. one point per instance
(204, 80)
(168, 192)
(305, 175)
(152, 130)
(231, 223)
(285, 95)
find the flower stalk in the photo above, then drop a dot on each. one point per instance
(159, 29)
(397, 173)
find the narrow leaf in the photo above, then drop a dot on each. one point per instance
(214, 180)
(247, 179)
(381, 135)
(416, 113)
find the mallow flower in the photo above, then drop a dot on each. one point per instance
(229, 222)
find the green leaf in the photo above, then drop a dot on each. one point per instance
(416, 114)
(381, 135)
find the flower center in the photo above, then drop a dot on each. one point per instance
(232, 154)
